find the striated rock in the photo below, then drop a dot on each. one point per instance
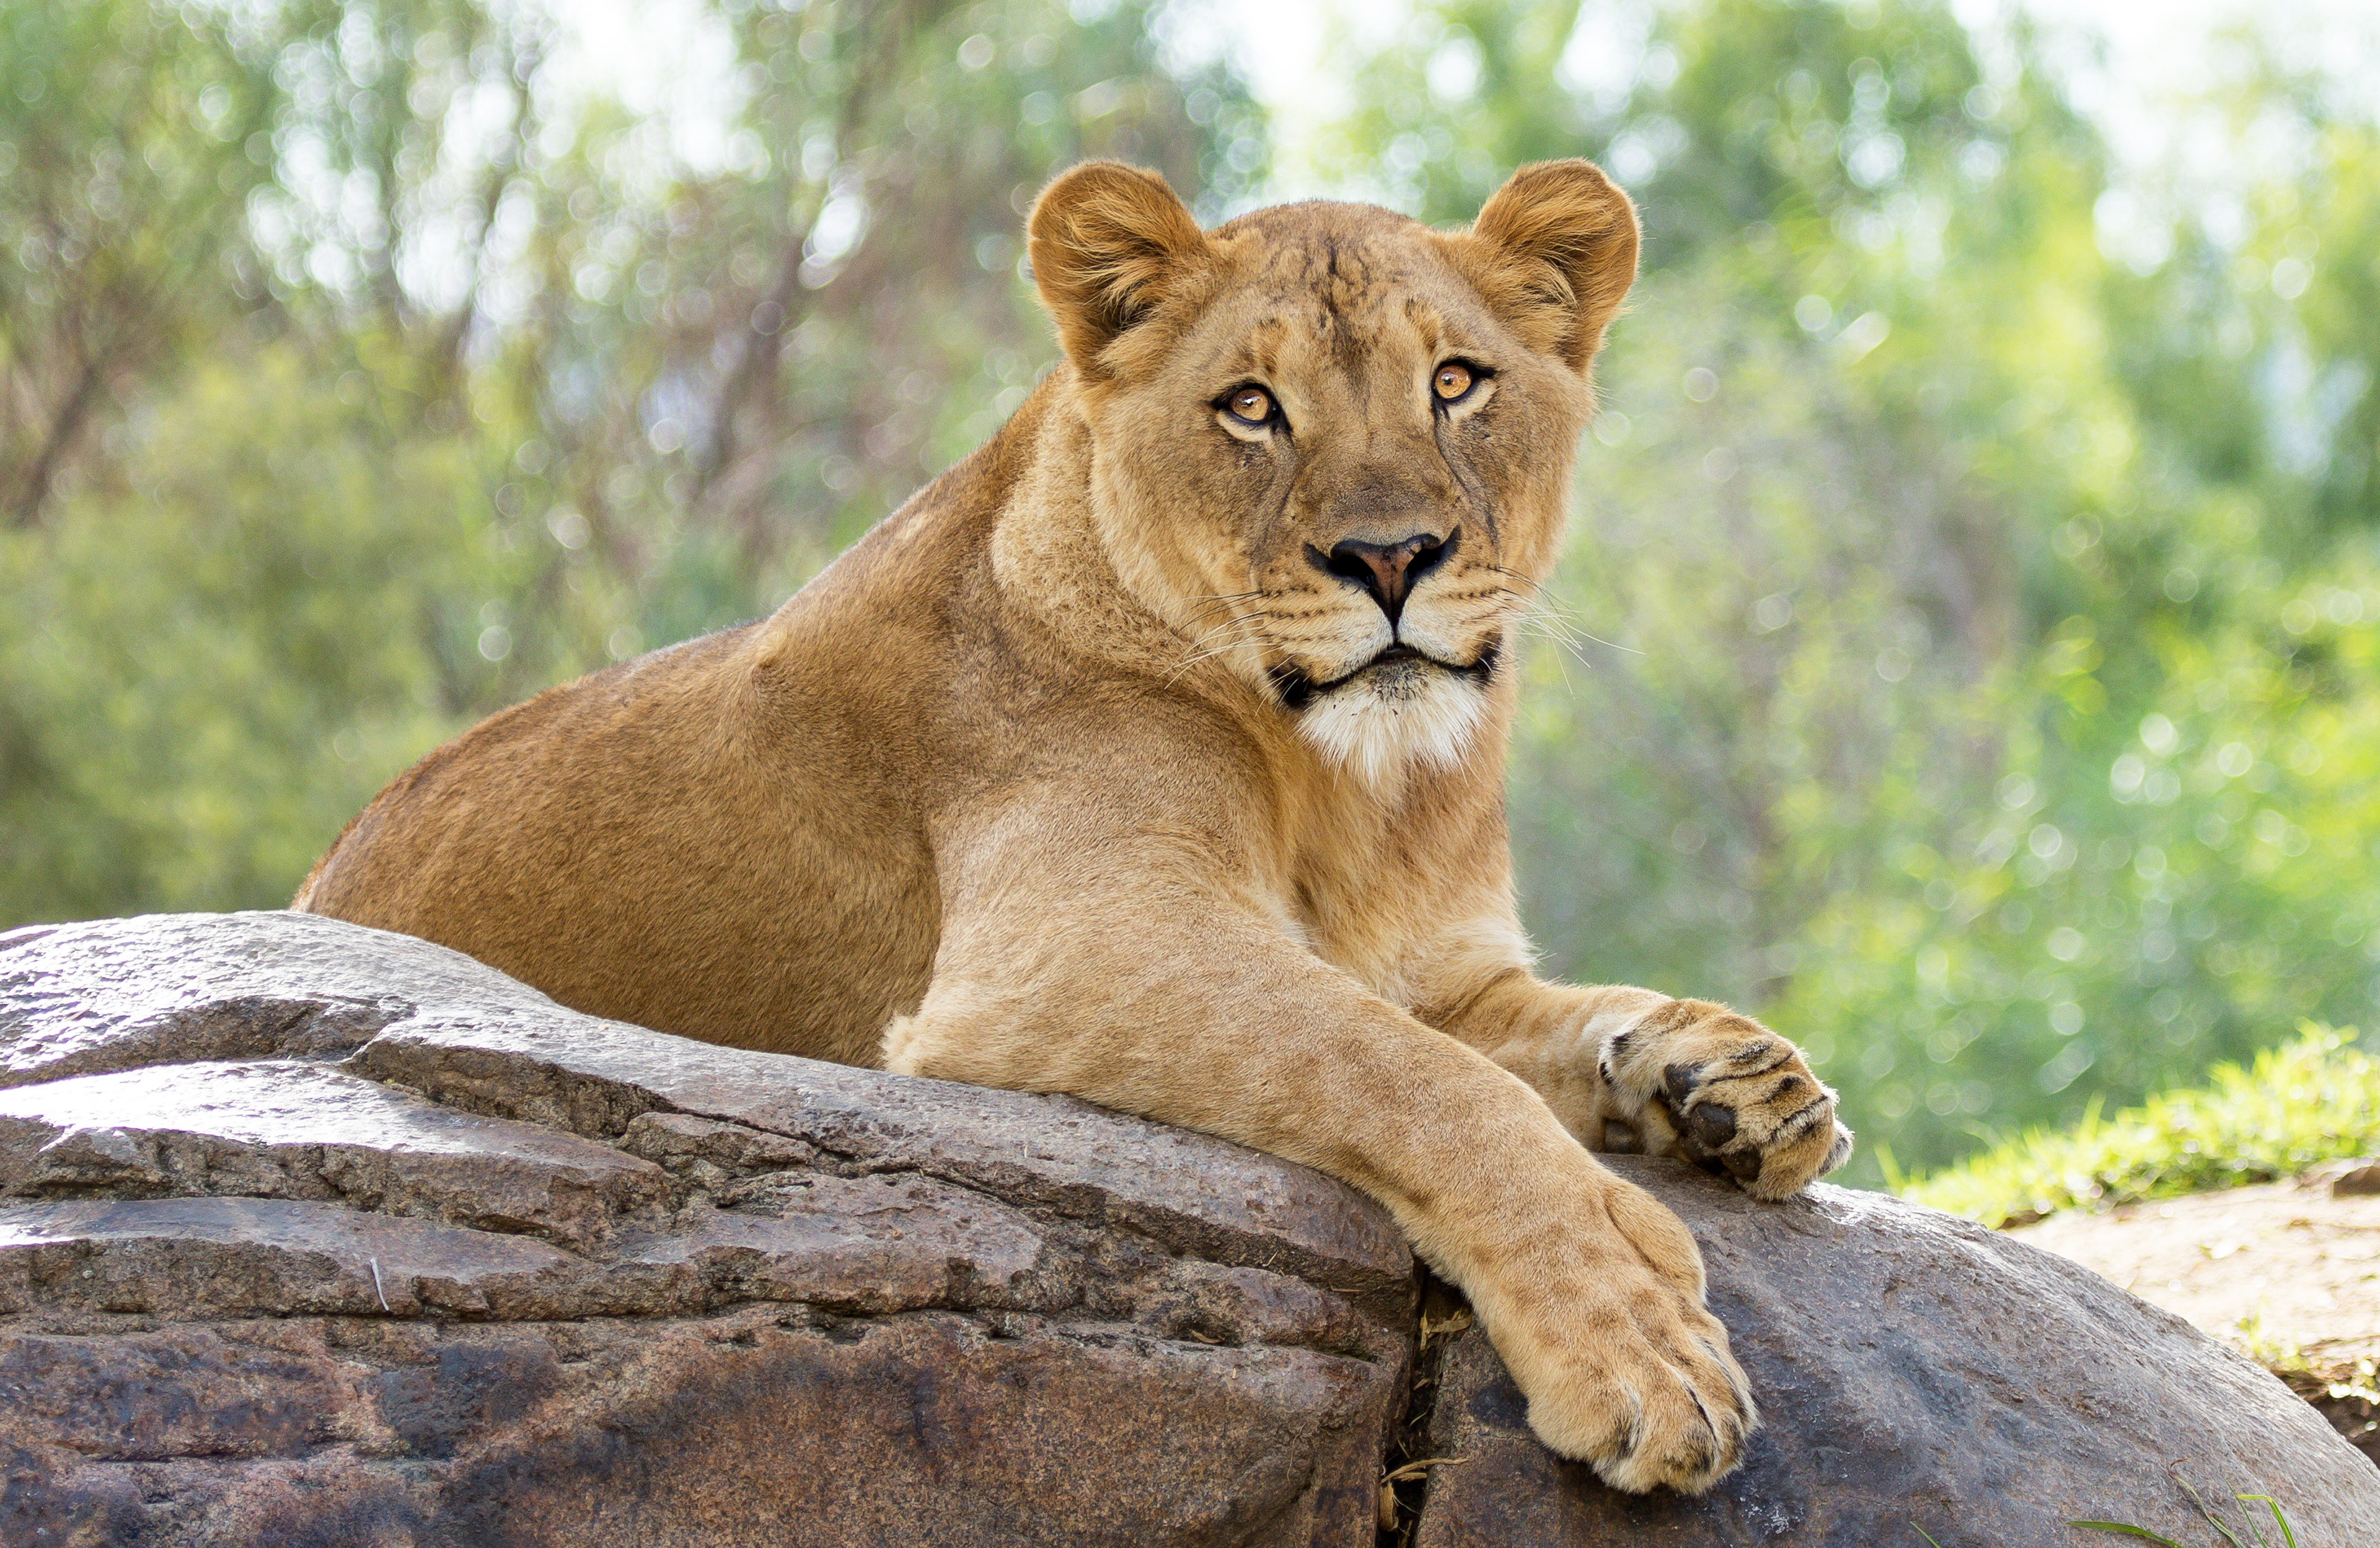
(1915, 1371)
(311, 1234)
(171, 988)
(314, 1235)
(286, 1129)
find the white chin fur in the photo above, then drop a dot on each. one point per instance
(1391, 718)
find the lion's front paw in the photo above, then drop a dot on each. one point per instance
(1699, 1080)
(1622, 1366)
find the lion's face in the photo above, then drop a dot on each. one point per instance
(1332, 450)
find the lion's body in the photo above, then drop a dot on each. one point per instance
(724, 838)
(734, 838)
(1154, 753)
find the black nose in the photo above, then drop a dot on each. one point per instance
(1389, 571)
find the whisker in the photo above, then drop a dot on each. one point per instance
(1188, 662)
(1231, 622)
(1213, 601)
(1612, 644)
(1193, 655)
(1193, 650)
(1550, 612)
(1545, 624)
(1513, 574)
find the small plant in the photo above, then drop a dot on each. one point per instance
(2254, 1539)
(2313, 1100)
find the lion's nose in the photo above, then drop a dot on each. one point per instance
(1389, 571)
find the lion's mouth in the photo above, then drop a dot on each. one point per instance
(1297, 689)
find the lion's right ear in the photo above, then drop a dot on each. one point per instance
(1554, 249)
(1110, 243)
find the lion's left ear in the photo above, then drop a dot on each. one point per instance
(1555, 251)
(1110, 243)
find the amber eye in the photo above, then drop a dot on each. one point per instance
(1253, 405)
(1452, 380)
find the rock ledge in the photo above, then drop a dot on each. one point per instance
(314, 1235)
(311, 1234)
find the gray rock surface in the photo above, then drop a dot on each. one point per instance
(1916, 1372)
(314, 1235)
(311, 1234)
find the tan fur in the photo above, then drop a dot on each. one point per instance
(1044, 784)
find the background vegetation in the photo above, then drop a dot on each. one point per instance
(1968, 656)
(2313, 1099)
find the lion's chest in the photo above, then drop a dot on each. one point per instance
(1371, 937)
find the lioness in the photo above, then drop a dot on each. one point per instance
(1155, 753)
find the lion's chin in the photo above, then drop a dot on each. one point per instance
(1382, 722)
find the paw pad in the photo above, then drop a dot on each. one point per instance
(1706, 1127)
(1711, 1125)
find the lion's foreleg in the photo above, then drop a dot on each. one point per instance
(1175, 1004)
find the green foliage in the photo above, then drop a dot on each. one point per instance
(124, 133)
(204, 674)
(359, 377)
(2295, 1106)
(1989, 700)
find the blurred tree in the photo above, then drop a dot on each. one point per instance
(363, 373)
(127, 136)
(1957, 720)
(211, 668)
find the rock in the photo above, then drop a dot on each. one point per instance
(171, 988)
(2284, 1272)
(2359, 1181)
(1915, 1371)
(311, 1234)
(290, 1129)
(315, 1235)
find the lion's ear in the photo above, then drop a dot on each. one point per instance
(1109, 243)
(1555, 251)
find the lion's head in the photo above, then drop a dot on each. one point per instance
(1332, 445)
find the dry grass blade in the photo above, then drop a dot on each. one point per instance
(1416, 1468)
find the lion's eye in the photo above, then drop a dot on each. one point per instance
(1253, 405)
(1454, 380)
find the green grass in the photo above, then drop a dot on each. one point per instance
(2313, 1100)
(2255, 1538)
(2231, 1539)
